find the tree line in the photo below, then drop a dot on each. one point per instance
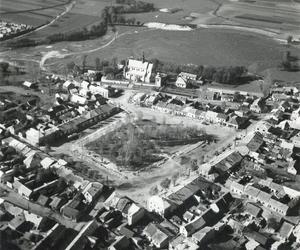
(227, 75)
(289, 62)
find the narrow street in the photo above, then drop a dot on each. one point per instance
(30, 206)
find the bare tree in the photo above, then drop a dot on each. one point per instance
(165, 183)
(84, 59)
(174, 178)
(153, 190)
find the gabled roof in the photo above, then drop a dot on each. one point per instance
(263, 197)
(47, 162)
(252, 191)
(278, 205)
(180, 196)
(286, 230)
(150, 230)
(252, 209)
(260, 238)
(253, 141)
(222, 116)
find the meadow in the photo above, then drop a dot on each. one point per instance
(31, 12)
(41, 12)
(202, 46)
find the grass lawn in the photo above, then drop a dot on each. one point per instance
(203, 46)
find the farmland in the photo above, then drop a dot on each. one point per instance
(74, 15)
(83, 14)
(31, 12)
(207, 46)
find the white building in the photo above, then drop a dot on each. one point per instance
(184, 79)
(96, 89)
(138, 71)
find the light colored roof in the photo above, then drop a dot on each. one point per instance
(278, 205)
(132, 63)
(252, 191)
(27, 84)
(237, 186)
(47, 162)
(78, 99)
(252, 209)
(263, 196)
(133, 209)
(286, 229)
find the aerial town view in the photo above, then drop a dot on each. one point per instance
(149, 124)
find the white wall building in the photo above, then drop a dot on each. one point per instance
(138, 71)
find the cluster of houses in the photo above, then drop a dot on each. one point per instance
(77, 106)
(206, 112)
(245, 197)
(8, 29)
(108, 219)
(259, 199)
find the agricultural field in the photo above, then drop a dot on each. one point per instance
(31, 12)
(39, 12)
(83, 14)
(182, 11)
(281, 16)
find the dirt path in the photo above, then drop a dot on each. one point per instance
(58, 54)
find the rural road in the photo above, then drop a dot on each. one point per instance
(68, 8)
(58, 54)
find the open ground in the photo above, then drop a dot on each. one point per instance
(202, 46)
(31, 12)
(139, 183)
(216, 46)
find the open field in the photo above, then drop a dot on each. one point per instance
(184, 9)
(36, 13)
(31, 12)
(203, 46)
(83, 14)
(282, 16)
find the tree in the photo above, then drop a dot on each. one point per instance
(70, 66)
(193, 165)
(174, 178)
(61, 185)
(84, 63)
(201, 159)
(97, 63)
(4, 67)
(165, 183)
(273, 223)
(153, 190)
(47, 148)
(289, 39)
